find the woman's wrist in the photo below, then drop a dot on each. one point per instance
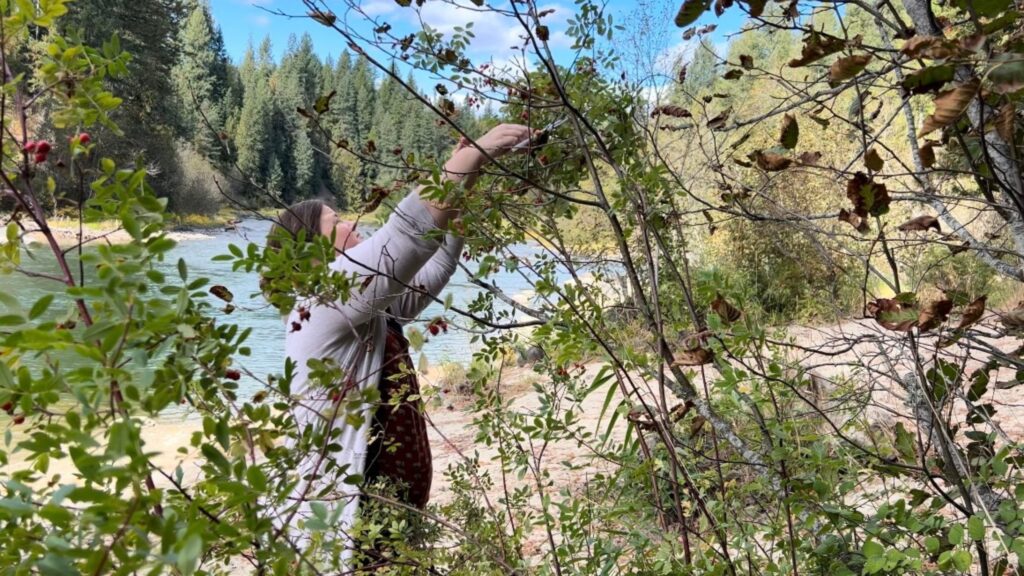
(463, 163)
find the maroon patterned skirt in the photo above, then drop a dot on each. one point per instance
(399, 450)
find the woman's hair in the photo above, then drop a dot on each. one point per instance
(301, 216)
(304, 215)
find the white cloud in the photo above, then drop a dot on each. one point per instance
(375, 8)
(261, 20)
(495, 33)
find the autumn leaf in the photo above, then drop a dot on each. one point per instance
(868, 196)
(404, 3)
(446, 106)
(323, 103)
(695, 357)
(790, 132)
(920, 224)
(929, 47)
(671, 110)
(222, 292)
(949, 105)
(747, 62)
(872, 160)
(1005, 121)
(689, 33)
(726, 311)
(770, 161)
(326, 18)
(718, 122)
(860, 224)
(846, 68)
(543, 33)
(934, 314)
(733, 74)
(377, 195)
(927, 154)
(809, 158)
(972, 313)
(817, 46)
(899, 314)
(690, 11)
(682, 74)
(721, 6)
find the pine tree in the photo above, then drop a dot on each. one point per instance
(200, 79)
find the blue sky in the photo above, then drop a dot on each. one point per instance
(242, 21)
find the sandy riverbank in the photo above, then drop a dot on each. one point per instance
(66, 232)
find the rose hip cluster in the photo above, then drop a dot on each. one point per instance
(437, 325)
(40, 149)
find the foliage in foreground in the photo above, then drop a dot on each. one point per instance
(721, 447)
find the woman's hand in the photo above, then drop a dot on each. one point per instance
(468, 159)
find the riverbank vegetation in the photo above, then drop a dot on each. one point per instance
(855, 163)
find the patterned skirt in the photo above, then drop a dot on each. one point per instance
(399, 449)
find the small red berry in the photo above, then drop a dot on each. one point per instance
(40, 158)
(19, 419)
(43, 147)
(7, 407)
(30, 146)
(296, 326)
(84, 138)
(232, 374)
(303, 313)
(433, 329)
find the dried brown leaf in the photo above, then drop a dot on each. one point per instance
(747, 62)
(222, 292)
(817, 46)
(920, 224)
(930, 47)
(790, 132)
(934, 314)
(900, 315)
(1005, 121)
(770, 161)
(860, 224)
(927, 154)
(872, 160)
(809, 158)
(949, 105)
(846, 68)
(972, 313)
(726, 311)
(868, 196)
(672, 110)
(718, 122)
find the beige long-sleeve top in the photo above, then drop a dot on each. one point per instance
(404, 253)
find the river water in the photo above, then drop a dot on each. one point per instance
(252, 311)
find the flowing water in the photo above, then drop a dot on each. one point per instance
(268, 330)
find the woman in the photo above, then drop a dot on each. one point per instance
(399, 269)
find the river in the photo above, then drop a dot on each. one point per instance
(252, 311)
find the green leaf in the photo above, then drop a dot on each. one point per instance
(188, 553)
(182, 269)
(962, 560)
(40, 307)
(956, 534)
(976, 528)
(873, 549)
